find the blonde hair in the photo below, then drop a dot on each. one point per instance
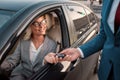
(28, 33)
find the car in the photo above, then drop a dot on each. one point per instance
(71, 24)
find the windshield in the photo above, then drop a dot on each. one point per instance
(4, 17)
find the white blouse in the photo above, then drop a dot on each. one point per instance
(34, 52)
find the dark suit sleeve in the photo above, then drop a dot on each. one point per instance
(95, 44)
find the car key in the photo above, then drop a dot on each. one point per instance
(60, 55)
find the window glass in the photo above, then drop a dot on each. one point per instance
(91, 17)
(79, 18)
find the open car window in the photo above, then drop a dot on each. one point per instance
(53, 32)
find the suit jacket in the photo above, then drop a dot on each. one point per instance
(108, 43)
(21, 56)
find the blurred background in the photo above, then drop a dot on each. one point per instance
(95, 5)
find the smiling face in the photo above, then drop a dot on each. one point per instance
(39, 26)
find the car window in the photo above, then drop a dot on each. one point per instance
(91, 17)
(79, 18)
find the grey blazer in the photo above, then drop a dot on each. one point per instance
(20, 59)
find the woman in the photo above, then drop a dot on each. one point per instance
(30, 52)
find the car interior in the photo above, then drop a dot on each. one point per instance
(54, 31)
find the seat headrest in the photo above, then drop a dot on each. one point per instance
(50, 21)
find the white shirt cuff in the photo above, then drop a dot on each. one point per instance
(81, 53)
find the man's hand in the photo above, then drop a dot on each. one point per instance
(71, 54)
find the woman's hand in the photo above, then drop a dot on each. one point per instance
(51, 58)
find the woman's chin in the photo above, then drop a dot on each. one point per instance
(41, 34)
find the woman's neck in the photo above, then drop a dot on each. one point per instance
(38, 40)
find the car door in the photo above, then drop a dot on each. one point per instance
(85, 27)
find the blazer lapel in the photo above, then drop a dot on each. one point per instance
(108, 5)
(106, 11)
(27, 52)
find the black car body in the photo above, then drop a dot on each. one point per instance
(74, 25)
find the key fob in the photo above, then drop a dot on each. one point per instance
(60, 55)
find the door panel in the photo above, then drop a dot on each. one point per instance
(86, 29)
